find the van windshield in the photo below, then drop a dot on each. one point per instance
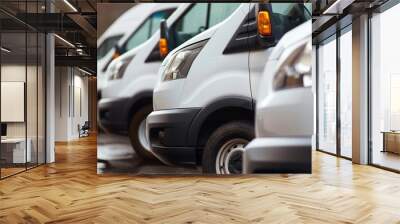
(107, 45)
(146, 29)
(198, 18)
(286, 16)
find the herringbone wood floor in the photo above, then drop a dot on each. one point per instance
(70, 191)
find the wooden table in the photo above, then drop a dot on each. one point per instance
(391, 141)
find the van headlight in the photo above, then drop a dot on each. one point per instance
(295, 70)
(118, 70)
(179, 65)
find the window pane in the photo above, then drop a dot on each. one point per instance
(14, 153)
(327, 97)
(346, 94)
(220, 11)
(289, 16)
(140, 36)
(107, 45)
(385, 89)
(156, 19)
(146, 30)
(191, 24)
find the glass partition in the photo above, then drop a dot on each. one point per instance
(327, 96)
(346, 93)
(385, 90)
(15, 149)
(22, 78)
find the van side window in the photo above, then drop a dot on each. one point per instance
(147, 29)
(140, 35)
(286, 16)
(220, 11)
(191, 24)
(107, 45)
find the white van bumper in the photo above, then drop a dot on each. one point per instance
(278, 155)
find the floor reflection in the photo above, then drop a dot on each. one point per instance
(115, 155)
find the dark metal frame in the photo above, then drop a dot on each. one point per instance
(336, 38)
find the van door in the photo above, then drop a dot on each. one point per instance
(284, 17)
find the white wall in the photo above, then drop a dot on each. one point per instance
(62, 81)
(71, 102)
(17, 73)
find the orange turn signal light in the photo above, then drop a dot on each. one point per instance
(264, 23)
(163, 45)
(115, 55)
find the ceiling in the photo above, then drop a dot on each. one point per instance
(74, 22)
(329, 16)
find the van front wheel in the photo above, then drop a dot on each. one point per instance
(137, 132)
(220, 155)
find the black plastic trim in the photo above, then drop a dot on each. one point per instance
(167, 134)
(174, 133)
(246, 37)
(245, 33)
(174, 123)
(114, 115)
(246, 103)
(154, 55)
(279, 159)
(176, 155)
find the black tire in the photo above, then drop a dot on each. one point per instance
(138, 117)
(227, 132)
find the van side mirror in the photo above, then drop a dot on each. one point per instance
(265, 27)
(163, 44)
(117, 52)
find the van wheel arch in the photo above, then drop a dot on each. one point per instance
(217, 114)
(221, 117)
(137, 102)
(138, 112)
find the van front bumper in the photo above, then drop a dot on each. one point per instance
(112, 115)
(278, 155)
(167, 131)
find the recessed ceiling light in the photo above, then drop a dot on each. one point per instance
(64, 40)
(70, 5)
(84, 71)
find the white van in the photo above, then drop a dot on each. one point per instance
(128, 97)
(204, 99)
(133, 28)
(284, 112)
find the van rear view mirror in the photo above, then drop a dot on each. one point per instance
(264, 23)
(265, 31)
(163, 44)
(117, 52)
